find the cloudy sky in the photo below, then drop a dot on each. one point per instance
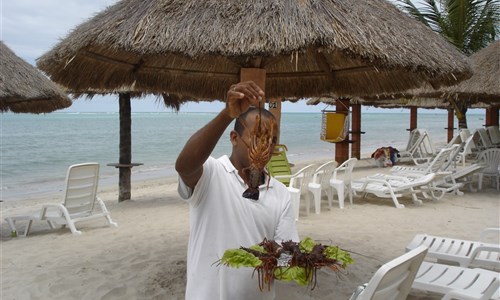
(32, 27)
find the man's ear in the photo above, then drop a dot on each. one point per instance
(232, 137)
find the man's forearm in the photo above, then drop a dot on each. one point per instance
(201, 144)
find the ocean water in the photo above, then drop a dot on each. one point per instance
(36, 150)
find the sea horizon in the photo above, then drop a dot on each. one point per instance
(36, 150)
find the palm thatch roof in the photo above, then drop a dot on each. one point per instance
(308, 48)
(427, 103)
(25, 89)
(484, 85)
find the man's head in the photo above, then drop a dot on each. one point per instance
(243, 129)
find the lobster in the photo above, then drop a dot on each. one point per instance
(259, 153)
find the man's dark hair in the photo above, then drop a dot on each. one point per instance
(239, 127)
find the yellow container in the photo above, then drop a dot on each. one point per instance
(334, 126)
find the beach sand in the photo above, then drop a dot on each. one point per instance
(145, 256)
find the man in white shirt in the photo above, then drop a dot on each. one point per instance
(220, 217)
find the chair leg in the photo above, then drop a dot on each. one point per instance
(329, 194)
(317, 200)
(340, 191)
(479, 181)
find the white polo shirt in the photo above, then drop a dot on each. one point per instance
(221, 219)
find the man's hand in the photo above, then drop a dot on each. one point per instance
(241, 96)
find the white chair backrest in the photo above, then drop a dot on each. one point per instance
(412, 140)
(469, 145)
(424, 147)
(344, 171)
(81, 187)
(485, 139)
(439, 161)
(301, 179)
(464, 134)
(494, 133)
(490, 158)
(393, 280)
(323, 173)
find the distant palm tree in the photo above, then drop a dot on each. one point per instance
(470, 25)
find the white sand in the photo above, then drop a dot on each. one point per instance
(145, 256)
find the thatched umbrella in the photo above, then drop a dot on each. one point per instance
(484, 85)
(197, 49)
(24, 89)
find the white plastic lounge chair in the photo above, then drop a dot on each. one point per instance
(469, 150)
(393, 280)
(388, 186)
(79, 199)
(419, 148)
(458, 282)
(341, 181)
(436, 165)
(299, 182)
(494, 133)
(321, 182)
(459, 178)
(490, 158)
(484, 139)
(465, 253)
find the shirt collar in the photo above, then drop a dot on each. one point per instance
(229, 167)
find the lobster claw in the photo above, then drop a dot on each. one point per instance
(251, 193)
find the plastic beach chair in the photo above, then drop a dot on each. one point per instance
(79, 199)
(320, 183)
(341, 181)
(465, 253)
(279, 165)
(393, 280)
(388, 186)
(299, 182)
(458, 282)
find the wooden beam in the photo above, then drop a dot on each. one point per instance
(342, 148)
(356, 131)
(413, 117)
(451, 119)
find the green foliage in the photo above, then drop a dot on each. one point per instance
(470, 25)
(334, 252)
(296, 274)
(237, 258)
(307, 245)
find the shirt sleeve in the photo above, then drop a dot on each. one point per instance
(195, 195)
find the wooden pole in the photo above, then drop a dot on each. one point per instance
(451, 119)
(342, 148)
(491, 116)
(356, 131)
(275, 109)
(413, 117)
(125, 147)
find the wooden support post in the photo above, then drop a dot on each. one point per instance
(492, 116)
(275, 109)
(451, 123)
(356, 131)
(125, 147)
(256, 75)
(413, 117)
(342, 148)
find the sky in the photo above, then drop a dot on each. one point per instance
(32, 27)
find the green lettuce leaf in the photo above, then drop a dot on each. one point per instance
(297, 274)
(240, 258)
(334, 252)
(307, 245)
